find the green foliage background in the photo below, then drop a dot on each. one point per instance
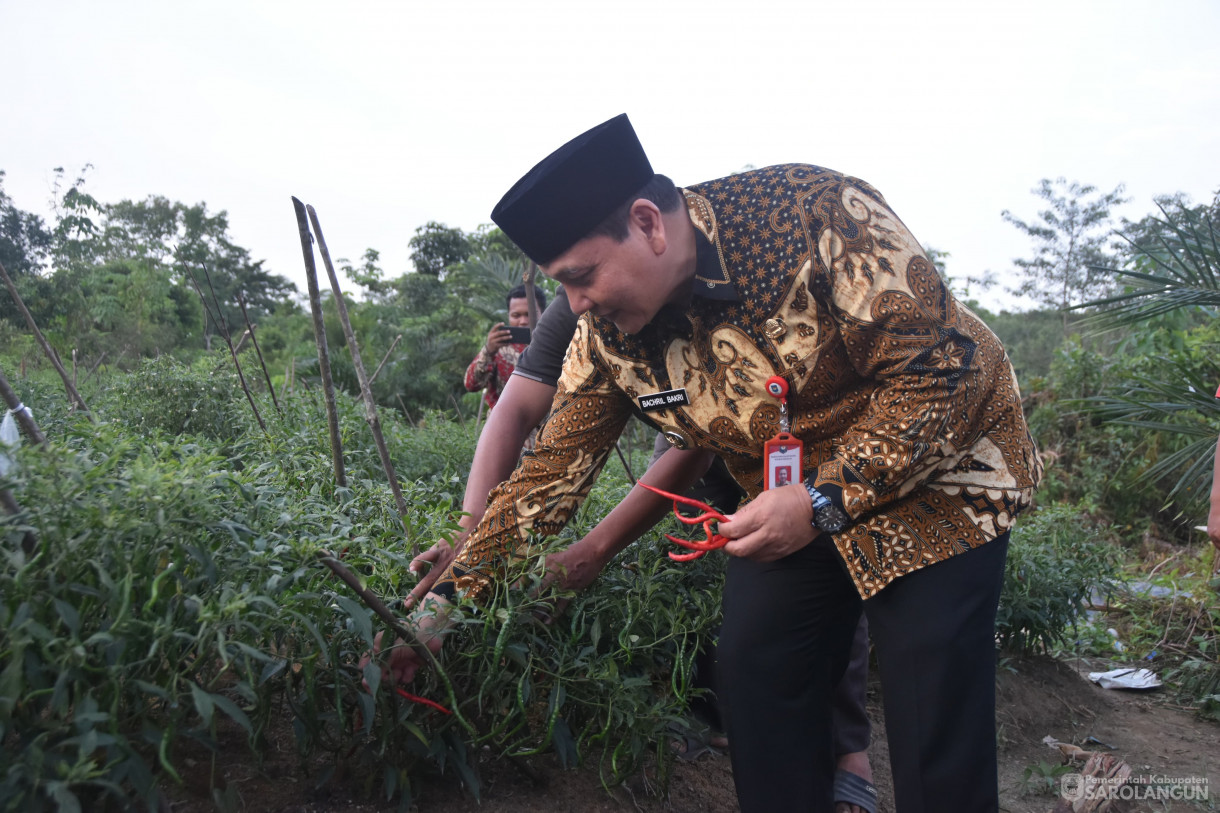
(175, 590)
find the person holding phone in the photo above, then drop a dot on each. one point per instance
(505, 342)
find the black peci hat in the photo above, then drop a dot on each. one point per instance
(573, 189)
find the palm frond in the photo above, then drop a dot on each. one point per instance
(1176, 267)
(1177, 403)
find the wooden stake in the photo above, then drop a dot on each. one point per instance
(29, 542)
(93, 369)
(370, 406)
(385, 358)
(73, 395)
(626, 465)
(374, 603)
(319, 335)
(220, 323)
(404, 411)
(21, 413)
(478, 418)
(241, 300)
(530, 302)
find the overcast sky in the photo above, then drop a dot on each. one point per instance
(387, 115)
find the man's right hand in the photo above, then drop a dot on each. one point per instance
(405, 662)
(497, 337)
(439, 556)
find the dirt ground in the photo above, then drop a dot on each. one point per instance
(1035, 698)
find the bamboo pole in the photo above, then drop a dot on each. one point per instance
(404, 411)
(478, 418)
(385, 358)
(21, 413)
(626, 465)
(370, 406)
(220, 323)
(29, 542)
(93, 369)
(408, 637)
(531, 303)
(319, 335)
(241, 300)
(73, 395)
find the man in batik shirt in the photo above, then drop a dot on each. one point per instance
(916, 457)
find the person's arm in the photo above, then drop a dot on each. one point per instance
(676, 471)
(522, 405)
(544, 491)
(1213, 517)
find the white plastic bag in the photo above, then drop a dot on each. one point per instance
(10, 439)
(1126, 679)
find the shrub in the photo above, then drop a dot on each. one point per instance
(176, 583)
(1056, 563)
(167, 396)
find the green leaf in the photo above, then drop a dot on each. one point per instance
(70, 616)
(203, 703)
(565, 744)
(272, 669)
(372, 676)
(234, 711)
(64, 798)
(359, 616)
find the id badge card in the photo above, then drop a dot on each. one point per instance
(782, 461)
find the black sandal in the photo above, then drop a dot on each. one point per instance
(855, 790)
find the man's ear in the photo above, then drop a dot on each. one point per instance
(645, 216)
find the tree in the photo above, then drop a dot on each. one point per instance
(76, 239)
(436, 246)
(224, 271)
(368, 274)
(25, 241)
(1072, 240)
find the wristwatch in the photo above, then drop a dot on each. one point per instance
(827, 517)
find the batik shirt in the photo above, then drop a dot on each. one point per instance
(905, 401)
(490, 371)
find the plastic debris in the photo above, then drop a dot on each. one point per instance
(1071, 753)
(1140, 679)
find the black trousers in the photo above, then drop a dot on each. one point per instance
(787, 630)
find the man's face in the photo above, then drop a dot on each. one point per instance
(518, 312)
(616, 281)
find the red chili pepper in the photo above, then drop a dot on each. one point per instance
(414, 698)
(713, 541)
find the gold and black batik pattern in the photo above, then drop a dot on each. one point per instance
(906, 402)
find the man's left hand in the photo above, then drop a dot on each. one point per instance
(574, 568)
(773, 525)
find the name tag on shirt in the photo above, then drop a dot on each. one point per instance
(663, 400)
